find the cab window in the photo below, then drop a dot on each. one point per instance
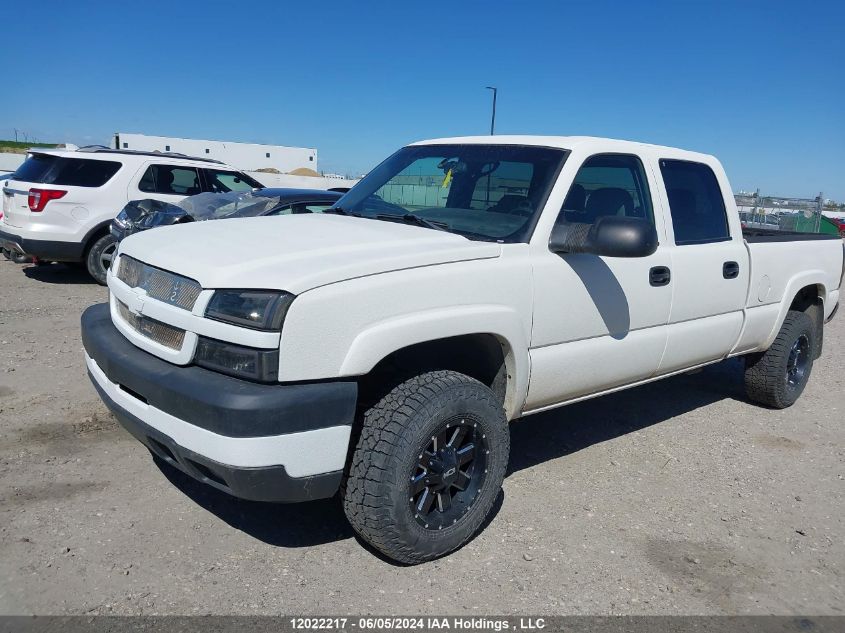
(608, 184)
(695, 203)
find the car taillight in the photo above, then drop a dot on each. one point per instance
(38, 198)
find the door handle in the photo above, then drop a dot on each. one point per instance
(659, 276)
(730, 270)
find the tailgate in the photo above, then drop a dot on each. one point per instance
(15, 203)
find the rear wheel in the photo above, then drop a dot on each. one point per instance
(100, 256)
(428, 466)
(777, 377)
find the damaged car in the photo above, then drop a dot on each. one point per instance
(140, 215)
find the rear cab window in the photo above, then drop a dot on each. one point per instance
(696, 203)
(48, 169)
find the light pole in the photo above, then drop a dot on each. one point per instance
(493, 118)
(492, 131)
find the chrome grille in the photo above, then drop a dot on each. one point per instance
(157, 331)
(176, 290)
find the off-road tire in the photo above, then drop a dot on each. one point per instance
(767, 374)
(94, 258)
(393, 434)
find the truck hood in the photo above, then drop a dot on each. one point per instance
(296, 252)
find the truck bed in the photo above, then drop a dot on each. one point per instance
(773, 235)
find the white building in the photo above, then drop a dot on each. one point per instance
(244, 156)
(10, 162)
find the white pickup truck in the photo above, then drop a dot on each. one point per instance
(380, 348)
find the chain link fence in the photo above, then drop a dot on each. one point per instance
(804, 215)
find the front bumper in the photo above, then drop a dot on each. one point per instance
(47, 250)
(281, 443)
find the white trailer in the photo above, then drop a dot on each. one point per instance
(243, 156)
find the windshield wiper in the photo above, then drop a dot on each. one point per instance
(342, 211)
(410, 218)
(479, 237)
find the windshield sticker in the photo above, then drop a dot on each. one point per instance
(446, 179)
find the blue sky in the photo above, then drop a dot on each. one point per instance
(759, 84)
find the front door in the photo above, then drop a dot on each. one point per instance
(599, 322)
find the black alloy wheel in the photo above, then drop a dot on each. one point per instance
(797, 362)
(777, 377)
(449, 473)
(427, 466)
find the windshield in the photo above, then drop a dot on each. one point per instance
(213, 206)
(486, 192)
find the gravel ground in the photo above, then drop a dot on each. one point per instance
(675, 498)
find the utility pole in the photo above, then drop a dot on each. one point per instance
(493, 118)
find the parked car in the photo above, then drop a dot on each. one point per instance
(463, 283)
(59, 204)
(140, 215)
(18, 258)
(840, 224)
(6, 252)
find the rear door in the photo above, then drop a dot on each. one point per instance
(710, 265)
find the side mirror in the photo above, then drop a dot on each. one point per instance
(611, 235)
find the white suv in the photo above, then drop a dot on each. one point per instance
(59, 204)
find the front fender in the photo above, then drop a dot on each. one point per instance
(383, 338)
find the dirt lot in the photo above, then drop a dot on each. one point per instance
(677, 497)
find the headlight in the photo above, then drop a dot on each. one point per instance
(122, 219)
(255, 309)
(236, 360)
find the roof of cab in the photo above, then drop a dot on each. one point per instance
(588, 143)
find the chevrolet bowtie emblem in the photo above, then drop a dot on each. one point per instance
(136, 304)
